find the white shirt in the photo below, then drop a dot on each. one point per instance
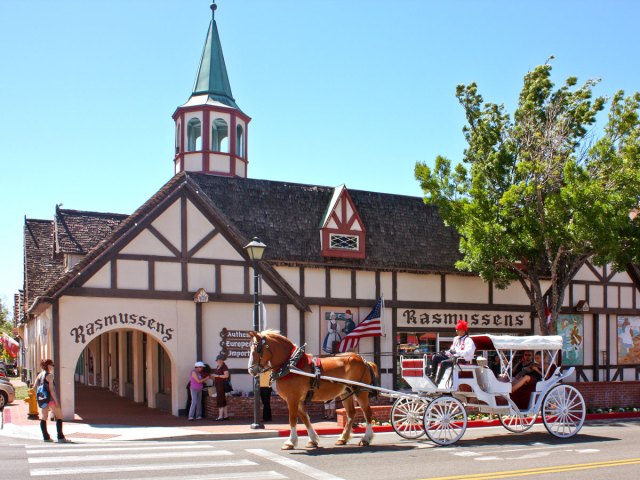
(463, 347)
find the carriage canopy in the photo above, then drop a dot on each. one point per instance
(512, 342)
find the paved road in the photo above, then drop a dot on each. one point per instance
(600, 451)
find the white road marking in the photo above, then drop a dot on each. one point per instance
(260, 475)
(37, 472)
(108, 449)
(297, 466)
(107, 444)
(133, 456)
(466, 454)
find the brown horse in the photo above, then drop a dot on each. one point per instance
(272, 351)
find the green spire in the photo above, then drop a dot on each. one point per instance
(212, 79)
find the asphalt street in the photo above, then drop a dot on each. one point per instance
(601, 450)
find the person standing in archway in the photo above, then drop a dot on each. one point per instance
(51, 403)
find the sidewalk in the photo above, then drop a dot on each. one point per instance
(102, 415)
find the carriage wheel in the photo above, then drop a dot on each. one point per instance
(445, 420)
(563, 411)
(518, 423)
(406, 417)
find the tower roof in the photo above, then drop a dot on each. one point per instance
(212, 81)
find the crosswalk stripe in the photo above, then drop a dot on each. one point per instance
(297, 466)
(108, 444)
(133, 456)
(108, 449)
(39, 472)
(259, 475)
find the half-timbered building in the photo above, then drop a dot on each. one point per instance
(130, 302)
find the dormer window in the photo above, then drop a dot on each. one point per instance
(342, 231)
(343, 242)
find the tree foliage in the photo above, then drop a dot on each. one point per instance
(5, 323)
(536, 193)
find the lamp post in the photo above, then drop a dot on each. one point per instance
(255, 249)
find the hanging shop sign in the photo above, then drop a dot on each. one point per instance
(235, 343)
(478, 320)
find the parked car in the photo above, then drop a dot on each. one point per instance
(7, 394)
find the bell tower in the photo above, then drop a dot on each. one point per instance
(211, 130)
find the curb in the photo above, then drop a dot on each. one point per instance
(470, 424)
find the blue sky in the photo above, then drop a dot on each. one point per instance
(340, 91)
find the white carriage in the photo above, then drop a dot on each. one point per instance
(440, 411)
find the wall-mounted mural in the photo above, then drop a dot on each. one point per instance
(571, 327)
(337, 324)
(628, 340)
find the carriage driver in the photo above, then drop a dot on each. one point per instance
(462, 348)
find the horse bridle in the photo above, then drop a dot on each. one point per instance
(259, 348)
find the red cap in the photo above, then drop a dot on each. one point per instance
(462, 325)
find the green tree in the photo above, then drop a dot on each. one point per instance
(537, 194)
(5, 323)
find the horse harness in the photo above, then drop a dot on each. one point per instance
(297, 360)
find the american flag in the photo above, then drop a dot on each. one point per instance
(371, 326)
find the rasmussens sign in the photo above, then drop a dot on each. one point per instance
(448, 318)
(82, 332)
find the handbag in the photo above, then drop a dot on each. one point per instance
(227, 386)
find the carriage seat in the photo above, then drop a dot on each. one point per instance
(488, 382)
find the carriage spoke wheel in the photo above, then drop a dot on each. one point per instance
(563, 411)
(406, 417)
(445, 420)
(518, 423)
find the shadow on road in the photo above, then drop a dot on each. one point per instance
(352, 449)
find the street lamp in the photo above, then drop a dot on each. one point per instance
(256, 249)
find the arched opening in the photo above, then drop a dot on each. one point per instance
(127, 368)
(240, 141)
(178, 130)
(220, 136)
(194, 135)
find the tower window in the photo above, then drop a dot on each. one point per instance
(220, 136)
(343, 242)
(178, 130)
(239, 141)
(194, 135)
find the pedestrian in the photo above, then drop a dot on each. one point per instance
(265, 395)
(220, 375)
(330, 409)
(50, 405)
(196, 384)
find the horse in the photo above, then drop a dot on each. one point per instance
(271, 351)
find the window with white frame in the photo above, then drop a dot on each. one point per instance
(343, 242)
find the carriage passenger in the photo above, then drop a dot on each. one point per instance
(530, 371)
(462, 349)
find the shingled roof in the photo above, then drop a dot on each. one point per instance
(42, 268)
(79, 231)
(402, 232)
